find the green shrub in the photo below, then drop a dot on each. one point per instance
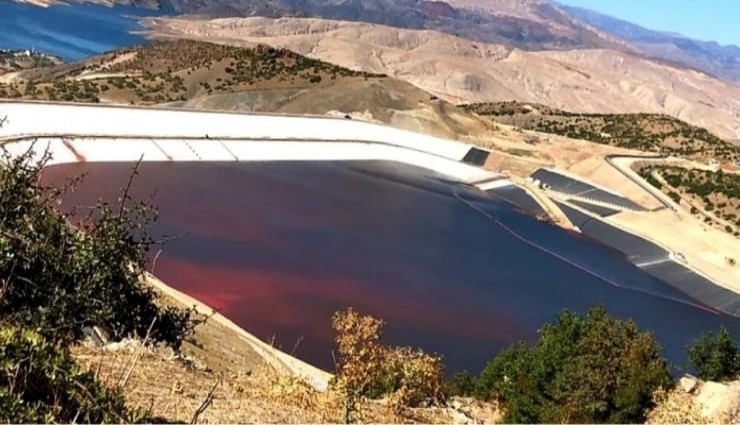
(462, 384)
(715, 357)
(57, 279)
(582, 369)
(675, 197)
(40, 383)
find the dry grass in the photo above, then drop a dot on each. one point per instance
(680, 406)
(244, 388)
(675, 407)
(173, 391)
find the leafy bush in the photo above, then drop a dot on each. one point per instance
(368, 369)
(462, 384)
(57, 279)
(360, 359)
(675, 197)
(715, 357)
(582, 369)
(40, 383)
(411, 377)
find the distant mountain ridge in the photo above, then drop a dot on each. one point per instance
(552, 30)
(709, 56)
(525, 24)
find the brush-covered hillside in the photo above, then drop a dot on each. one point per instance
(646, 132)
(175, 71)
(200, 75)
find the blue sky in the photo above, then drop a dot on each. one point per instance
(717, 20)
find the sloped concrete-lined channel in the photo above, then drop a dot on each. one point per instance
(656, 261)
(571, 186)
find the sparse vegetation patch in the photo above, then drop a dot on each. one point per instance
(717, 193)
(646, 132)
(173, 71)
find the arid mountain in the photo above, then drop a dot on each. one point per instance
(543, 27)
(534, 14)
(708, 56)
(147, 4)
(525, 24)
(462, 71)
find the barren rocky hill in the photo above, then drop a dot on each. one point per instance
(459, 70)
(530, 24)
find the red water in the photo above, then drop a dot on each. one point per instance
(278, 247)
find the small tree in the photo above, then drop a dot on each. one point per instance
(462, 384)
(360, 358)
(369, 369)
(582, 369)
(715, 357)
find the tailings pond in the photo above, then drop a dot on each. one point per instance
(279, 246)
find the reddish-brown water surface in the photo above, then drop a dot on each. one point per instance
(279, 246)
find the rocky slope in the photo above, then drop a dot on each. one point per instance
(459, 70)
(14, 60)
(694, 401)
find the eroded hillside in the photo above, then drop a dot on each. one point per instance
(463, 71)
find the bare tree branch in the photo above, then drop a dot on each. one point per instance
(135, 357)
(205, 404)
(130, 183)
